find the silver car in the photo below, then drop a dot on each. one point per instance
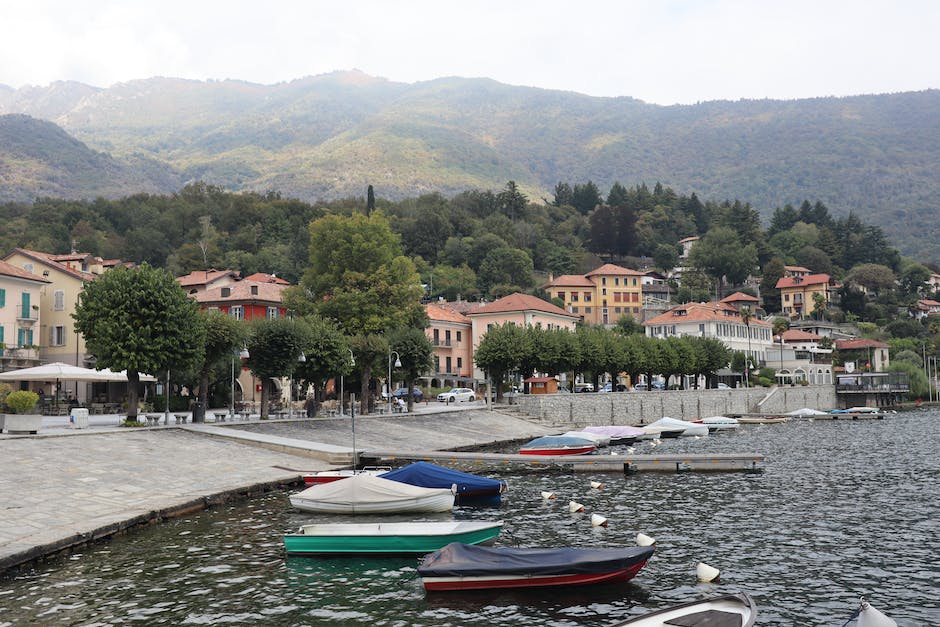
(457, 394)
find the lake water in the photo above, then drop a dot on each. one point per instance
(843, 510)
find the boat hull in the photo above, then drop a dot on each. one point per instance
(738, 609)
(433, 584)
(388, 539)
(461, 567)
(572, 450)
(424, 504)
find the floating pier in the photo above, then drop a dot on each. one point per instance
(704, 462)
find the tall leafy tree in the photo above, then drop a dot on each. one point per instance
(500, 351)
(224, 336)
(275, 346)
(415, 351)
(722, 255)
(326, 351)
(512, 202)
(371, 352)
(139, 320)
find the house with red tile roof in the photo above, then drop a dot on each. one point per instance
(797, 293)
(602, 296)
(716, 320)
(926, 307)
(20, 316)
(740, 299)
(450, 333)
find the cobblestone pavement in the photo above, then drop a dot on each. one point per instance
(71, 486)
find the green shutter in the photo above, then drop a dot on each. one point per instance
(1, 334)
(25, 301)
(3, 297)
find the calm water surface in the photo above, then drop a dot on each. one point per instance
(843, 510)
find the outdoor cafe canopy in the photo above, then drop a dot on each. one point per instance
(59, 371)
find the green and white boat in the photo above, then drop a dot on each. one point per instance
(389, 538)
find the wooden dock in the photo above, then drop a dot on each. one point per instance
(707, 462)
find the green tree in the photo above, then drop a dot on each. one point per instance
(139, 320)
(371, 352)
(874, 277)
(224, 335)
(721, 254)
(511, 201)
(275, 346)
(326, 351)
(666, 257)
(416, 353)
(370, 200)
(505, 266)
(500, 351)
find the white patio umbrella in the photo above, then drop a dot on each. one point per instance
(56, 371)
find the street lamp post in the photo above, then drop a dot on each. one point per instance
(342, 396)
(290, 392)
(242, 354)
(388, 383)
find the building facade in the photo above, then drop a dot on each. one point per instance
(20, 316)
(601, 296)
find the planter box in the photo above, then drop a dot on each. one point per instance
(20, 423)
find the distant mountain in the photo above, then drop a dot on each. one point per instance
(333, 135)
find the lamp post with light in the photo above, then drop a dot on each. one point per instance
(290, 392)
(342, 396)
(388, 384)
(242, 354)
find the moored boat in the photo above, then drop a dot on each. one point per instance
(730, 610)
(557, 445)
(600, 440)
(763, 420)
(719, 423)
(670, 425)
(429, 475)
(365, 494)
(328, 476)
(462, 567)
(618, 434)
(388, 538)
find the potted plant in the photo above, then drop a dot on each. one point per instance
(21, 403)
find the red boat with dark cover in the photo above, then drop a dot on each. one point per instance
(558, 445)
(466, 567)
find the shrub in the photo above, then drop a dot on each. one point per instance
(21, 401)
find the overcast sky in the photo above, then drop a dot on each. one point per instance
(659, 51)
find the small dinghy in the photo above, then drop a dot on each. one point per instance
(558, 445)
(328, 476)
(619, 434)
(387, 538)
(730, 610)
(719, 423)
(365, 494)
(463, 567)
(669, 426)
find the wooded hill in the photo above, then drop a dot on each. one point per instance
(331, 136)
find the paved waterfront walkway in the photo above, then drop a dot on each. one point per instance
(65, 487)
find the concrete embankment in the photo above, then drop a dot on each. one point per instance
(64, 490)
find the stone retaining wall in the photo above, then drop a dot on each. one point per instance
(633, 408)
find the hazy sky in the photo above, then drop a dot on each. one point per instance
(659, 51)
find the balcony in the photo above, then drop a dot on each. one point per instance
(27, 317)
(19, 356)
(438, 342)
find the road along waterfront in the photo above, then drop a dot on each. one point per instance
(843, 510)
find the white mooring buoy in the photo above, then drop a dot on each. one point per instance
(574, 506)
(548, 495)
(644, 540)
(597, 485)
(706, 573)
(598, 521)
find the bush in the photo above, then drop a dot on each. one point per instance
(21, 401)
(765, 381)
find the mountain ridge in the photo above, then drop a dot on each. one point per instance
(332, 135)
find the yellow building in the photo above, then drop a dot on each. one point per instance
(602, 296)
(20, 294)
(797, 293)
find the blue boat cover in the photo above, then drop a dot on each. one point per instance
(465, 560)
(427, 475)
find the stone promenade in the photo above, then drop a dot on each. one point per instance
(65, 489)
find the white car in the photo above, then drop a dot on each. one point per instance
(457, 394)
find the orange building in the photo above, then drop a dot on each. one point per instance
(450, 334)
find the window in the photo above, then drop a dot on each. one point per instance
(603, 280)
(226, 292)
(561, 295)
(273, 313)
(459, 363)
(616, 309)
(28, 267)
(574, 310)
(587, 310)
(437, 364)
(1, 334)
(458, 336)
(447, 337)
(58, 300)
(587, 297)
(437, 337)
(574, 297)
(616, 280)
(3, 297)
(448, 364)
(58, 336)
(237, 312)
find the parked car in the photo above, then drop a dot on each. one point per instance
(583, 387)
(457, 394)
(722, 386)
(416, 393)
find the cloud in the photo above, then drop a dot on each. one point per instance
(659, 51)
